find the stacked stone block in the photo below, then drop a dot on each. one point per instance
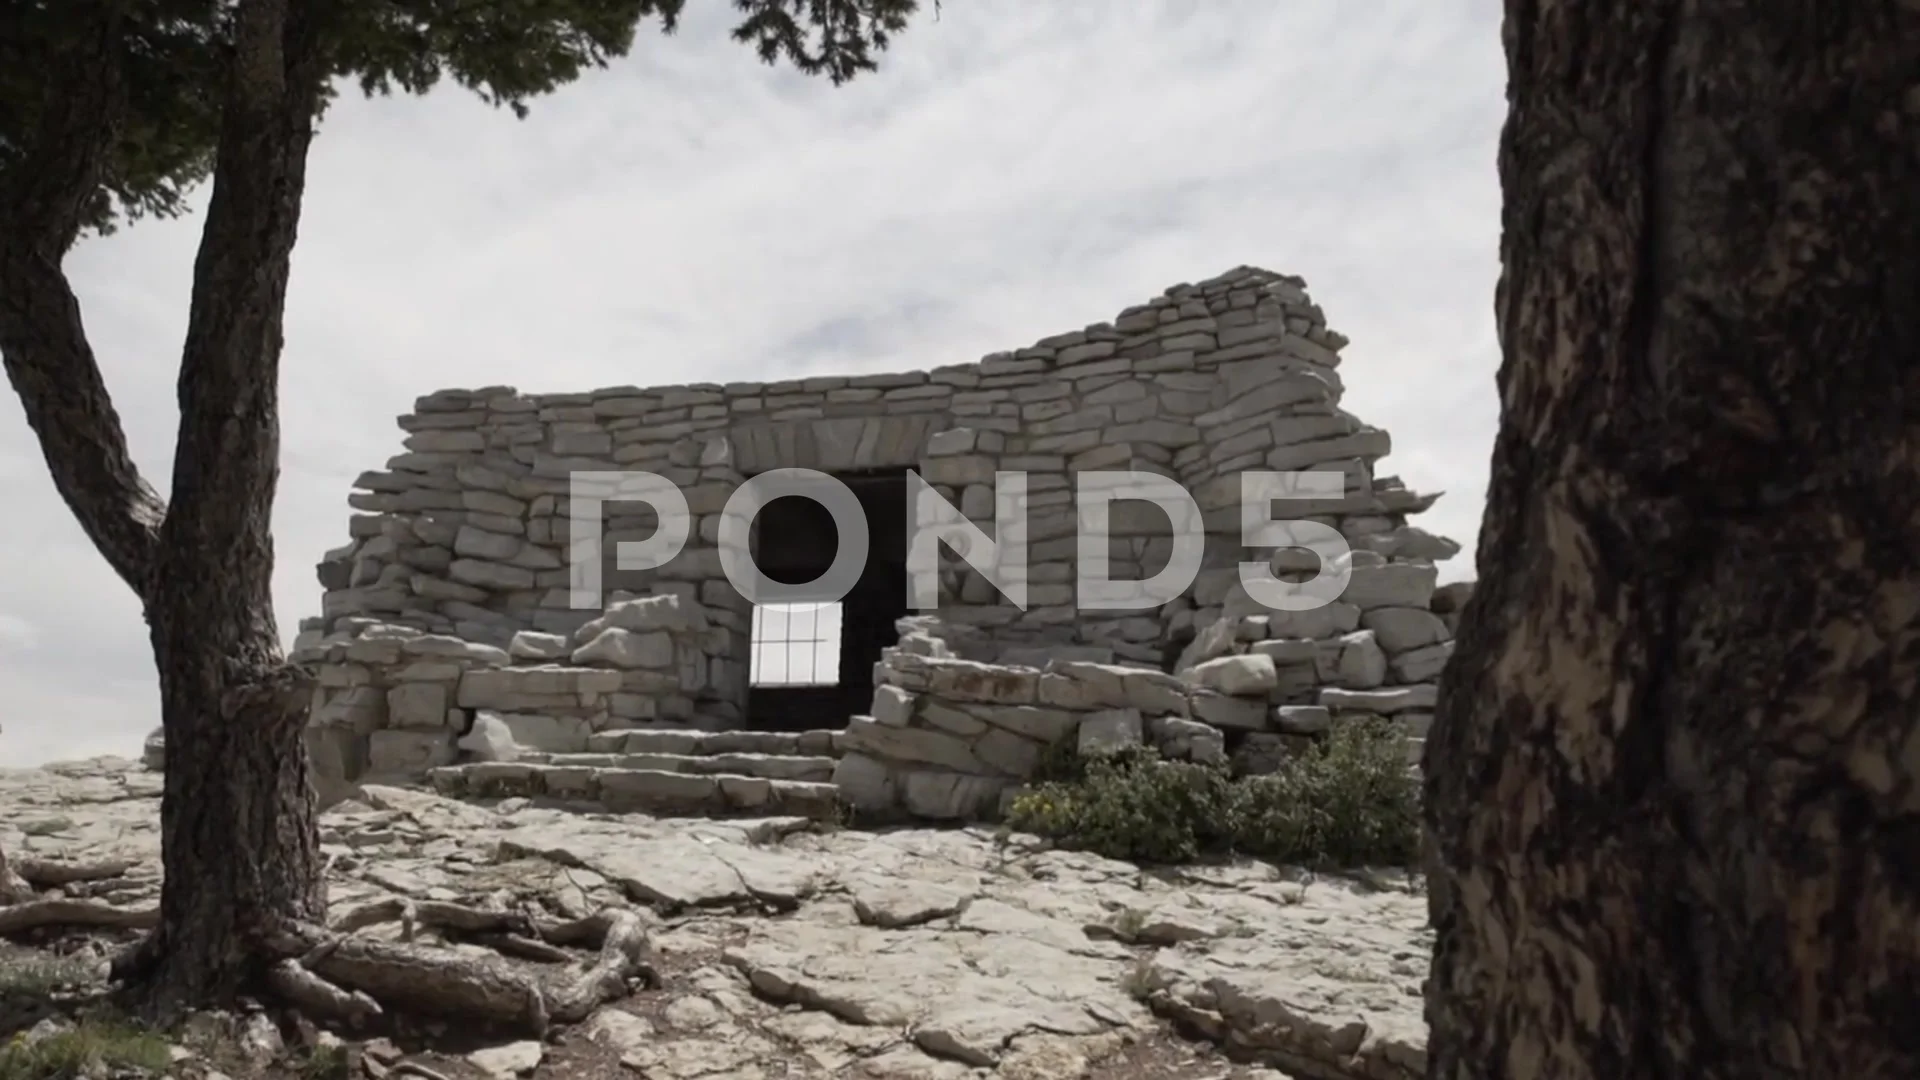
(1377, 650)
(950, 737)
(393, 701)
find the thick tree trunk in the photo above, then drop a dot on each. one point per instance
(1674, 782)
(239, 846)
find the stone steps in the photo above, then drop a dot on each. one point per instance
(813, 769)
(668, 773)
(623, 790)
(710, 743)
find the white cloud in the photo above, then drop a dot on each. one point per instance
(1014, 170)
(16, 633)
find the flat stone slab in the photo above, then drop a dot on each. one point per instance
(682, 786)
(796, 951)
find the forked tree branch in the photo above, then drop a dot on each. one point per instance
(43, 340)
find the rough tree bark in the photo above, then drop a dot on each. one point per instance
(237, 809)
(1673, 786)
(239, 846)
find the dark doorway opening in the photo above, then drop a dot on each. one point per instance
(811, 664)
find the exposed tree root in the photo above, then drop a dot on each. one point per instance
(38, 914)
(22, 910)
(331, 975)
(314, 996)
(414, 978)
(54, 873)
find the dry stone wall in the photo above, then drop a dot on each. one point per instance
(394, 700)
(453, 596)
(951, 738)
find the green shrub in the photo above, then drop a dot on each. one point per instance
(90, 1048)
(1132, 805)
(1348, 800)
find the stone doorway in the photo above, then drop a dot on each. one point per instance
(810, 665)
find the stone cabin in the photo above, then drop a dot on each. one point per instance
(454, 594)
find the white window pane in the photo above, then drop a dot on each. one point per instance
(796, 644)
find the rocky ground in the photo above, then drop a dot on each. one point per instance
(785, 951)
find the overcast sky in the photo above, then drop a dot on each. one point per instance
(1015, 169)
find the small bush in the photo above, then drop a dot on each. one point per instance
(1349, 800)
(1133, 805)
(90, 1048)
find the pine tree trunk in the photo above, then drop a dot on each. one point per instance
(240, 850)
(1673, 785)
(239, 845)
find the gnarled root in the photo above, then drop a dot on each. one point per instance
(625, 949)
(38, 914)
(315, 996)
(333, 976)
(22, 910)
(54, 873)
(338, 977)
(417, 979)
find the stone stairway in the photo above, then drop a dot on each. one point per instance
(668, 773)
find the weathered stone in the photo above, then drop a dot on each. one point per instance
(1403, 629)
(621, 648)
(545, 732)
(1394, 584)
(1042, 725)
(1224, 711)
(420, 706)
(1110, 730)
(1188, 740)
(1301, 719)
(490, 739)
(1386, 701)
(1330, 620)
(399, 752)
(865, 782)
(533, 645)
(892, 706)
(1287, 651)
(1005, 752)
(966, 680)
(1354, 661)
(951, 718)
(1247, 674)
(1421, 665)
(944, 796)
(910, 745)
(642, 614)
